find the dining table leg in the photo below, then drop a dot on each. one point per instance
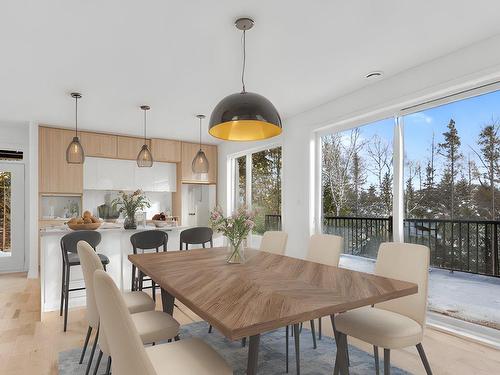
(253, 354)
(341, 365)
(167, 301)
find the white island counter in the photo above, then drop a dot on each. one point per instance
(115, 244)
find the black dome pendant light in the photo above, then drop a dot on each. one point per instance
(74, 152)
(145, 158)
(244, 116)
(200, 161)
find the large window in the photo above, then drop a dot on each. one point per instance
(357, 176)
(452, 171)
(449, 171)
(257, 184)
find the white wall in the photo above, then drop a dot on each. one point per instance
(462, 69)
(18, 136)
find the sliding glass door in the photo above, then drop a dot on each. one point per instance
(256, 183)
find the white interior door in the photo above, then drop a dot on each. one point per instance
(12, 225)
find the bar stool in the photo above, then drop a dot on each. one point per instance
(196, 236)
(146, 240)
(70, 258)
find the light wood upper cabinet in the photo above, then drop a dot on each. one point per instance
(166, 150)
(99, 145)
(55, 174)
(189, 150)
(128, 147)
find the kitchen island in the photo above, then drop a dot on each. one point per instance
(115, 244)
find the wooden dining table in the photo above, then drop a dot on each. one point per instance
(266, 292)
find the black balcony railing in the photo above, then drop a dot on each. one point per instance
(457, 245)
(272, 222)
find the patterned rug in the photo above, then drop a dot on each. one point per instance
(271, 354)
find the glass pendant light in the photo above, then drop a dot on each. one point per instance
(74, 152)
(200, 161)
(145, 158)
(244, 116)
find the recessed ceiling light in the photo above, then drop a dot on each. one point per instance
(374, 74)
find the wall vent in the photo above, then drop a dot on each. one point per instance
(11, 155)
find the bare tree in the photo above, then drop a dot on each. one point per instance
(379, 153)
(338, 154)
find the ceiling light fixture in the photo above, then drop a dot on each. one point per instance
(145, 158)
(74, 152)
(200, 161)
(244, 116)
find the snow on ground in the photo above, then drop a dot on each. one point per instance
(469, 297)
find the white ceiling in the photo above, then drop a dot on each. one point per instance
(181, 57)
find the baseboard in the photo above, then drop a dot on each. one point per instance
(474, 332)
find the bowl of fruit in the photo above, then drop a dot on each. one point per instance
(86, 222)
(160, 220)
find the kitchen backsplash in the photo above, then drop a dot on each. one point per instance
(160, 201)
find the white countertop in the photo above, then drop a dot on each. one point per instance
(107, 227)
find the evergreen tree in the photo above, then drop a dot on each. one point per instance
(489, 143)
(450, 149)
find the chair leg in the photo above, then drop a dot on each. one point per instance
(319, 328)
(177, 338)
(140, 280)
(153, 288)
(108, 366)
(348, 359)
(387, 361)
(89, 332)
(423, 357)
(313, 334)
(297, 347)
(62, 288)
(377, 363)
(133, 284)
(286, 348)
(210, 329)
(99, 357)
(244, 342)
(91, 358)
(66, 297)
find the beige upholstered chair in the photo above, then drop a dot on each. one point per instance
(324, 249)
(152, 325)
(397, 323)
(274, 242)
(130, 357)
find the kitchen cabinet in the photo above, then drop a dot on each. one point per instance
(55, 174)
(166, 150)
(128, 147)
(189, 150)
(113, 174)
(99, 145)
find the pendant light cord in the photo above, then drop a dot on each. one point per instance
(76, 116)
(144, 126)
(244, 60)
(200, 133)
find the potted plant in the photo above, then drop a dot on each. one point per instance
(235, 228)
(129, 204)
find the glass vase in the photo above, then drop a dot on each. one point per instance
(236, 254)
(130, 223)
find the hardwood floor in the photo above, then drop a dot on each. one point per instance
(29, 345)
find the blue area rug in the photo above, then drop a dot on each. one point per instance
(271, 354)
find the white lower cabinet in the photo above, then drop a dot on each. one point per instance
(113, 174)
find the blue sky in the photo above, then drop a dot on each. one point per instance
(470, 116)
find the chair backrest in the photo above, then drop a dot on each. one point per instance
(325, 249)
(149, 239)
(70, 240)
(127, 350)
(407, 262)
(90, 263)
(196, 236)
(274, 242)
